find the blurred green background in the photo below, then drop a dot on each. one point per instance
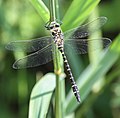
(18, 21)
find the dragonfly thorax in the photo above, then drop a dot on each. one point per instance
(56, 32)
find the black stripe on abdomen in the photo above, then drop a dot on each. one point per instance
(74, 86)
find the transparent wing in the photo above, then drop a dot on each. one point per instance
(29, 45)
(84, 30)
(35, 59)
(80, 46)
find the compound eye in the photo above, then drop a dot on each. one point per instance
(51, 27)
(57, 25)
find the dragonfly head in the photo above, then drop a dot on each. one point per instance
(52, 25)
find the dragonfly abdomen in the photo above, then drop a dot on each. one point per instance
(73, 83)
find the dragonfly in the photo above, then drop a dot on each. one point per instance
(41, 49)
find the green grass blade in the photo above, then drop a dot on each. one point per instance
(41, 9)
(78, 12)
(90, 76)
(69, 21)
(41, 95)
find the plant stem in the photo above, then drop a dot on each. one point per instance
(58, 65)
(52, 10)
(94, 56)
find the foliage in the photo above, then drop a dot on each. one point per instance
(19, 20)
